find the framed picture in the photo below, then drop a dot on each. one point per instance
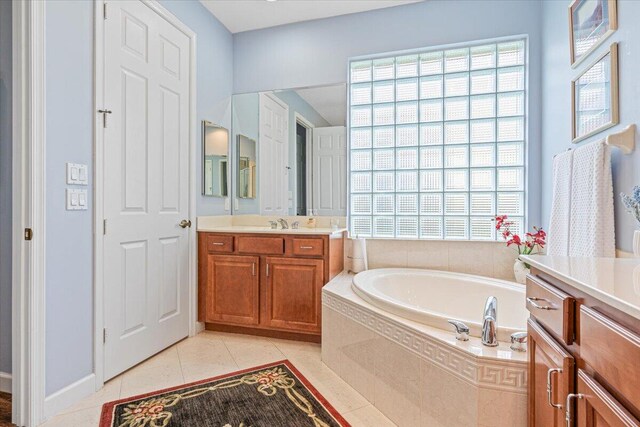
(590, 23)
(594, 95)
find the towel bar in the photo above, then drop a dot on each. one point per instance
(625, 140)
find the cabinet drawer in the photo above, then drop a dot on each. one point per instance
(612, 351)
(260, 245)
(552, 308)
(217, 243)
(309, 247)
(597, 407)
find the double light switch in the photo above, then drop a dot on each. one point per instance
(77, 198)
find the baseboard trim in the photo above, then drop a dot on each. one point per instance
(71, 394)
(5, 382)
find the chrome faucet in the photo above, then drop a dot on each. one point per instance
(489, 331)
(283, 222)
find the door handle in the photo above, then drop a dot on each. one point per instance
(568, 416)
(550, 373)
(185, 223)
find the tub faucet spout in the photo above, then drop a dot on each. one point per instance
(489, 331)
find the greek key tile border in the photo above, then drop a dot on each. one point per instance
(482, 372)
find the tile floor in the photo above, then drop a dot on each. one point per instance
(214, 353)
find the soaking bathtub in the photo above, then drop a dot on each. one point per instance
(385, 333)
(433, 297)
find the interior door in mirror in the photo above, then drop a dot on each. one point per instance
(246, 167)
(215, 176)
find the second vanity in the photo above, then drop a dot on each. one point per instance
(264, 281)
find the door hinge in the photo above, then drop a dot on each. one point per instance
(104, 11)
(104, 116)
(104, 335)
(104, 226)
(28, 234)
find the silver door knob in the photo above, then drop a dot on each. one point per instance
(185, 223)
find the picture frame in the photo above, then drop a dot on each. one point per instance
(591, 22)
(595, 97)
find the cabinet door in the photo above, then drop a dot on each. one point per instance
(233, 290)
(597, 408)
(292, 293)
(551, 373)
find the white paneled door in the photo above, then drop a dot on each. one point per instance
(146, 184)
(274, 156)
(329, 171)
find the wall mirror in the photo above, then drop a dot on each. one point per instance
(296, 139)
(595, 96)
(215, 168)
(246, 167)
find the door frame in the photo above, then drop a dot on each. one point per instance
(302, 120)
(28, 211)
(99, 67)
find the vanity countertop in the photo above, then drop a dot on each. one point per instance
(268, 230)
(614, 281)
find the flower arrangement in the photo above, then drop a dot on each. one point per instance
(632, 203)
(531, 243)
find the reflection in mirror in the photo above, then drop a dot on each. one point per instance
(246, 167)
(215, 144)
(300, 138)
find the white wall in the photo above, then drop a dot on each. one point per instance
(556, 102)
(316, 52)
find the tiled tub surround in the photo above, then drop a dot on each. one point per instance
(418, 375)
(489, 259)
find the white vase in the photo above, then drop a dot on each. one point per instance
(636, 243)
(520, 270)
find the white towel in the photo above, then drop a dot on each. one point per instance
(591, 227)
(359, 255)
(560, 205)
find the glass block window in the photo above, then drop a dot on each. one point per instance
(437, 142)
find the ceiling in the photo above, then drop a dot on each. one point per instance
(245, 15)
(329, 101)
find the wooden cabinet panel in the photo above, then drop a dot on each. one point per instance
(292, 293)
(218, 243)
(551, 373)
(308, 247)
(260, 245)
(597, 408)
(233, 289)
(552, 308)
(613, 351)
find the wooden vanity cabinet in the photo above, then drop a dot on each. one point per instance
(266, 284)
(581, 347)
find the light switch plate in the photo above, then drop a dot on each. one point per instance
(77, 199)
(77, 174)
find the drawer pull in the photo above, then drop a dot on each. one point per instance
(218, 244)
(568, 417)
(550, 373)
(253, 269)
(306, 247)
(533, 302)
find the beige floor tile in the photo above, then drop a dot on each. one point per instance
(248, 353)
(84, 418)
(337, 392)
(159, 372)
(367, 416)
(204, 357)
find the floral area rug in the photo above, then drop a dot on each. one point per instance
(270, 395)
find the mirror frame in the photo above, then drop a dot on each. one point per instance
(207, 124)
(237, 167)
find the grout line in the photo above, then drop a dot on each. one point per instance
(180, 363)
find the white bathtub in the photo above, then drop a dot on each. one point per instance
(432, 297)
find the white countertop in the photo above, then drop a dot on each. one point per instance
(268, 230)
(614, 281)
